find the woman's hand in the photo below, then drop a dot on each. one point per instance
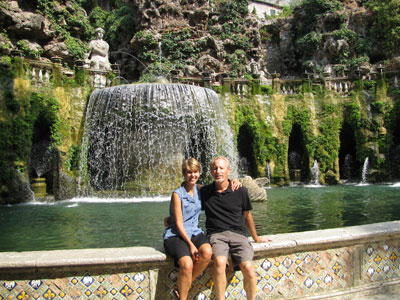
(235, 184)
(194, 251)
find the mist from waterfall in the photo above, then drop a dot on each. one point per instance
(136, 136)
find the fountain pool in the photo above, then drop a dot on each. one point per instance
(125, 222)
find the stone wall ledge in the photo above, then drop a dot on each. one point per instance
(79, 258)
(328, 238)
(281, 243)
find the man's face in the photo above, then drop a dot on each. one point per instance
(220, 170)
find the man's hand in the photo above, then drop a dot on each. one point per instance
(262, 239)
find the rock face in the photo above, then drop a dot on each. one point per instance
(256, 193)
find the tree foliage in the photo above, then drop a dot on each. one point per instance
(385, 29)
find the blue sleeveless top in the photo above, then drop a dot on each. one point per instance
(191, 208)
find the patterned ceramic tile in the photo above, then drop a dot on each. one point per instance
(283, 276)
(304, 273)
(108, 286)
(380, 261)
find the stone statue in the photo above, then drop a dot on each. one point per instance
(97, 57)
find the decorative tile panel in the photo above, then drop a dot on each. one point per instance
(380, 261)
(281, 277)
(303, 274)
(133, 286)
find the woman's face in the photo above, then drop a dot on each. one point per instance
(191, 176)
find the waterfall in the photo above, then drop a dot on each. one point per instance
(135, 136)
(365, 171)
(315, 173)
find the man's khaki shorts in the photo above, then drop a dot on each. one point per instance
(235, 244)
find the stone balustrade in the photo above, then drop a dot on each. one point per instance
(338, 85)
(41, 73)
(342, 263)
(290, 87)
(240, 87)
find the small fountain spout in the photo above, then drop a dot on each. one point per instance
(315, 173)
(365, 171)
(268, 173)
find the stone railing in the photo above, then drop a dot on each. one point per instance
(42, 73)
(235, 86)
(290, 87)
(39, 73)
(340, 85)
(342, 263)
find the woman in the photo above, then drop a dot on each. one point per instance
(183, 239)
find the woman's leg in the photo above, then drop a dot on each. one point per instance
(185, 276)
(205, 252)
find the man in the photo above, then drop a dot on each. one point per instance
(227, 215)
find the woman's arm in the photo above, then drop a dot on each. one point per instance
(235, 184)
(177, 208)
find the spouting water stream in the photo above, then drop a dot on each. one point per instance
(365, 171)
(135, 136)
(315, 173)
(268, 173)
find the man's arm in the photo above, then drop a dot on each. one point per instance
(252, 228)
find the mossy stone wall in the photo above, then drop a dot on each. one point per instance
(320, 116)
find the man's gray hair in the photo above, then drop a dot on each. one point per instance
(220, 157)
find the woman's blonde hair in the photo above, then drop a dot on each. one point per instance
(190, 164)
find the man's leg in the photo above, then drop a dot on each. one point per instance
(250, 279)
(219, 276)
(242, 255)
(220, 246)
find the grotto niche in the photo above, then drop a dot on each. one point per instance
(298, 158)
(395, 152)
(247, 161)
(41, 159)
(349, 167)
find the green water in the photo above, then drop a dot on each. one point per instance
(96, 223)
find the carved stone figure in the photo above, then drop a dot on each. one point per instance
(97, 57)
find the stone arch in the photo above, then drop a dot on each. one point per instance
(298, 158)
(348, 164)
(247, 160)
